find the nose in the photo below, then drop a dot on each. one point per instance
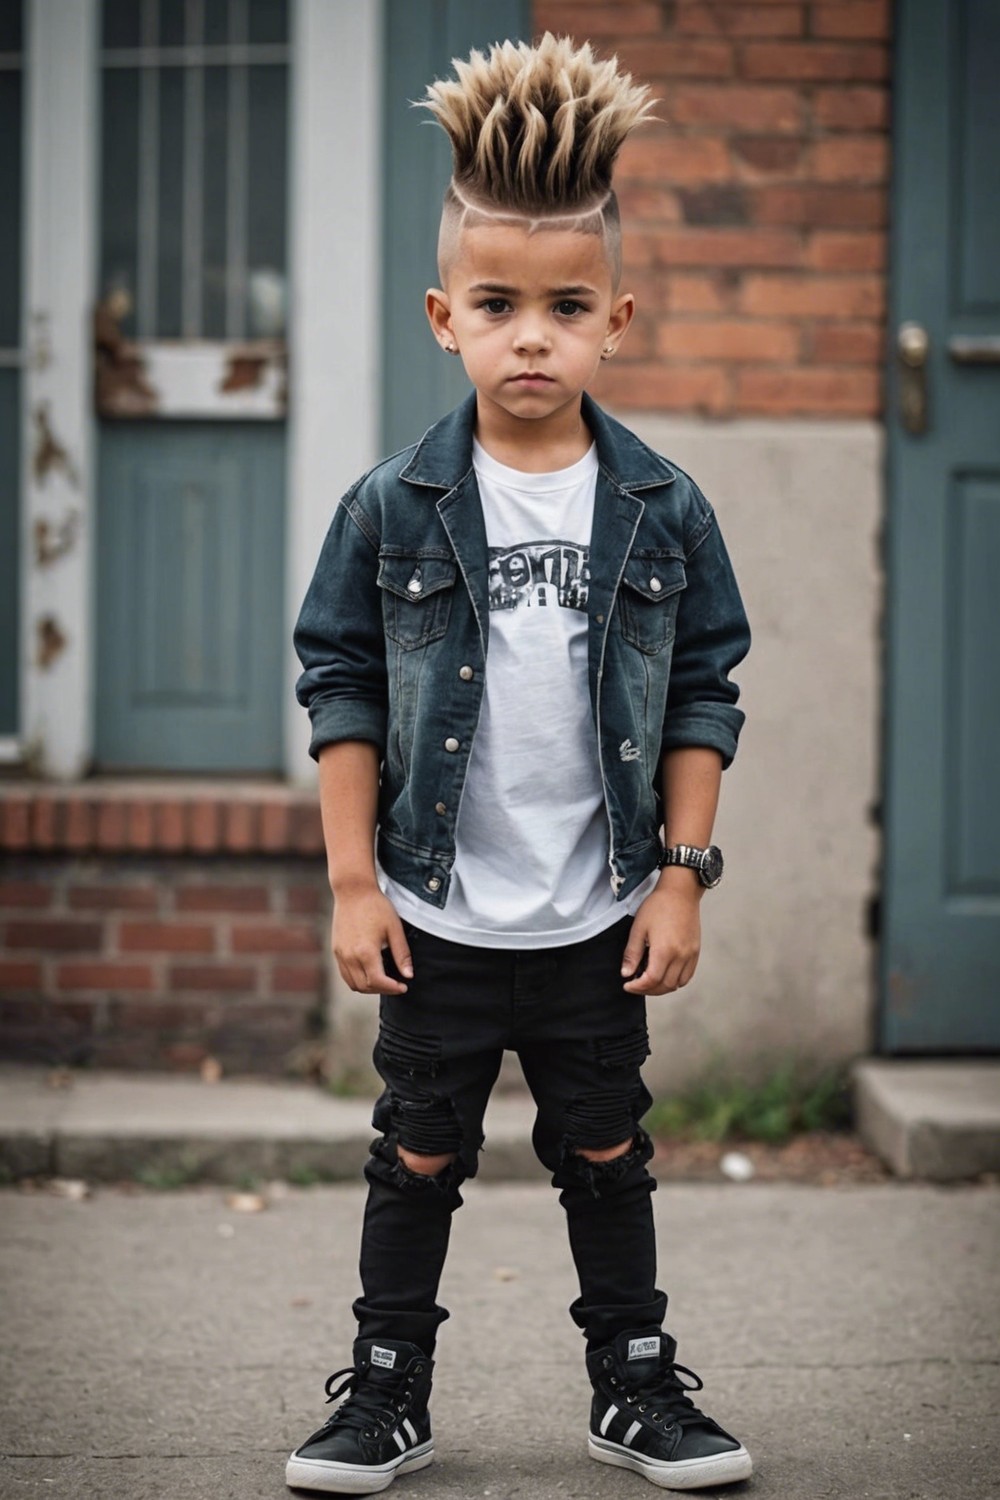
(530, 334)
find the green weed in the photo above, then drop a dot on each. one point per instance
(787, 1102)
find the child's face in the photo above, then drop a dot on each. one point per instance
(530, 315)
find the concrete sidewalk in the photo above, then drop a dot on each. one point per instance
(163, 1345)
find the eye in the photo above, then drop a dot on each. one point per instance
(569, 309)
(495, 305)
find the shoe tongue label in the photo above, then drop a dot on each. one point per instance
(643, 1348)
(384, 1357)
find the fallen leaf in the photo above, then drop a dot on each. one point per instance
(246, 1203)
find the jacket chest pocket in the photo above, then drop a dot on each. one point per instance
(416, 597)
(650, 593)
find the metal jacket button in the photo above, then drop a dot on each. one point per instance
(466, 674)
(434, 883)
(655, 585)
(451, 744)
(440, 808)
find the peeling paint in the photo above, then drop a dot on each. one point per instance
(50, 642)
(55, 539)
(121, 387)
(50, 454)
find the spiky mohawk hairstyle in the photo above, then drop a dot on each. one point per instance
(535, 132)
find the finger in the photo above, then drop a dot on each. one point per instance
(649, 981)
(635, 950)
(379, 982)
(400, 949)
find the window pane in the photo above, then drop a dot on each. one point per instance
(266, 289)
(121, 23)
(11, 25)
(119, 189)
(216, 22)
(268, 21)
(171, 207)
(215, 203)
(10, 221)
(10, 459)
(172, 23)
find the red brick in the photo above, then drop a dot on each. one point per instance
(213, 977)
(664, 59)
(728, 246)
(813, 296)
(46, 822)
(756, 156)
(648, 204)
(111, 821)
(79, 824)
(815, 62)
(847, 344)
(720, 338)
(239, 826)
(112, 897)
(20, 974)
(171, 826)
(276, 937)
(15, 822)
(691, 292)
(743, 106)
(862, 20)
(158, 1015)
(307, 830)
(141, 831)
(166, 937)
(204, 824)
(275, 826)
(820, 207)
(599, 21)
(673, 159)
(103, 975)
(25, 893)
(301, 978)
(222, 898)
(832, 250)
(64, 936)
(307, 899)
(851, 108)
(850, 158)
(659, 387)
(713, 19)
(822, 392)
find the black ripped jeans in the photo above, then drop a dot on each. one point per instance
(581, 1041)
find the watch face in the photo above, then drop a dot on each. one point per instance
(711, 865)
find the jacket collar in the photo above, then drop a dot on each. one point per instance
(443, 456)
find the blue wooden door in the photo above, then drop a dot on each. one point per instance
(422, 36)
(190, 385)
(941, 933)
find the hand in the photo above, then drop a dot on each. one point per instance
(667, 930)
(364, 923)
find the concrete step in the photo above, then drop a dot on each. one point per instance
(167, 1130)
(936, 1120)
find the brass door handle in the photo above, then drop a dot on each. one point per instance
(970, 349)
(913, 346)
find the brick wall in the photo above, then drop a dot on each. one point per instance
(168, 953)
(756, 212)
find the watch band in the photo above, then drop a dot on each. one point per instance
(707, 862)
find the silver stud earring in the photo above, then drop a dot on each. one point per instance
(607, 351)
(449, 349)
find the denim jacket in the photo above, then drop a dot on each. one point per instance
(393, 636)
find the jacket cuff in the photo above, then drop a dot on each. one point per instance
(347, 719)
(716, 725)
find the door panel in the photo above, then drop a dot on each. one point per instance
(422, 36)
(941, 948)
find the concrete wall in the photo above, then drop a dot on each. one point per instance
(786, 964)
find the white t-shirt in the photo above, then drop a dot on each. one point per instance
(531, 867)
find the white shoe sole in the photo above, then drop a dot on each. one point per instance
(686, 1474)
(354, 1479)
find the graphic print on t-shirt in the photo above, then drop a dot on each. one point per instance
(539, 574)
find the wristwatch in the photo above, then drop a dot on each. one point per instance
(708, 862)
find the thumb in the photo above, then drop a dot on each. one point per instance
(635, 948)
(400, 949)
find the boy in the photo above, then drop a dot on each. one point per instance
(516, 652)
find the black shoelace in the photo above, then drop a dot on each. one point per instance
(369, 1407)
(667, 1394)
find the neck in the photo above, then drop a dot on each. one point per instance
(539, 446)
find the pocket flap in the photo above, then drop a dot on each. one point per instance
(416, 577)
(655, 578)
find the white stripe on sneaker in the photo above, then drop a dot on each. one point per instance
(607, 1419)
(409, 1428)
(635, 1428)
(400, 1442)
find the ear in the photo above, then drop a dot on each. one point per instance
(622, 310)
(438, 309)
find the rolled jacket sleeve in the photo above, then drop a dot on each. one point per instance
(712, 638)
(339, 640)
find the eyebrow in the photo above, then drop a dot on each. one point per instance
(510, 291)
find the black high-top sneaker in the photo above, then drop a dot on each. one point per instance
(380, 1430)
(643, 1418)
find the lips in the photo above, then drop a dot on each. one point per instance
(532, 377)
